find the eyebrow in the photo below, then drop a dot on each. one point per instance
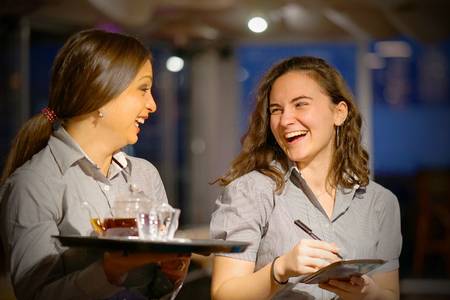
(293, 99)
(146, 76)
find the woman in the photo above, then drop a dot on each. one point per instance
(302, 159)
(69, 154)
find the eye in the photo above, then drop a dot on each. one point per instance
(300, 104)
(275, 111)
(144, 88)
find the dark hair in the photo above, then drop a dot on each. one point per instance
(91, 69)
(259, 148)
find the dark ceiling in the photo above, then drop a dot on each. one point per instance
(183, 22)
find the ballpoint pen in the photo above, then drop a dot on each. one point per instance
(308, 230)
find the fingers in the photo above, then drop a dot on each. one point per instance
(355, 280)
(317, 249)
(329, 247)
(176, 270)
(343, 287)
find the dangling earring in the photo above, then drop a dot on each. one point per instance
(100, 114)
(337, 136)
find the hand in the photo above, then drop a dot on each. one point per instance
(176, 269)
(357, 288)
(116, 265)
(306, 257)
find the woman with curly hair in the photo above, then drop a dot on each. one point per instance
(302, 159)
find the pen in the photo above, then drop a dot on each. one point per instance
(308, 230)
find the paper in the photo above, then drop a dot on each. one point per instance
(343, 270)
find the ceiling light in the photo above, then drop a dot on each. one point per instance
(397, 49)
(174, 64)
(257, 24)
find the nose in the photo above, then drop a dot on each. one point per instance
(287, 118)
(151, 104)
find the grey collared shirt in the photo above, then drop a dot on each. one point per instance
(365, 223)
(45, 197)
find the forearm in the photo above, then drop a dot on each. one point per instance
(257, 285)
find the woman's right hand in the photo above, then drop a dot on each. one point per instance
(306, 257)
(116, 265)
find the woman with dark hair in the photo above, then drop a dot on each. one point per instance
(302, 159)
(69, 154)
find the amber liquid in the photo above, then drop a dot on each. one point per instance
(115, 226)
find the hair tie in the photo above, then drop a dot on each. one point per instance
(49, 114)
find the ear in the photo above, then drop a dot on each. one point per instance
(340, 113)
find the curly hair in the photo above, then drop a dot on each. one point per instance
(349, 164)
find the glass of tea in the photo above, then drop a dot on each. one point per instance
(125, 209)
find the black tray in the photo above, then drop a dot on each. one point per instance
(131, 244)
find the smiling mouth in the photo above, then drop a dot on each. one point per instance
(295, 135)
(139, 121)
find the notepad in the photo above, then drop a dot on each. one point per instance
(343, 270)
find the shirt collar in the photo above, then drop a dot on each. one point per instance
(64, 148)
(344, 196)
(67, 152)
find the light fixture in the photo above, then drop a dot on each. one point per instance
(174, 64)
(257, 24)
(393, 49)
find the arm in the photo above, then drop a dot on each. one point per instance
(234, 279)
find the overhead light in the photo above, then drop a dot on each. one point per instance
(257, 24)
(174, 64)
(398, 49)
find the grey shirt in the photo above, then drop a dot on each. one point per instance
(44, 198)
(365, 223)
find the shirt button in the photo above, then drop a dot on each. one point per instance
(106, 188)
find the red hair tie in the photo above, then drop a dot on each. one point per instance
(49, 114)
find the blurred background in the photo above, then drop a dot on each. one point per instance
(208, 57)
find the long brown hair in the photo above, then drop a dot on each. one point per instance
(349, 164)
(92, 68)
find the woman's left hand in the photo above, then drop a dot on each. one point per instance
(357, 288)
(176, 269)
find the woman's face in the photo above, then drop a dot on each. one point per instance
(126, 113)
(302, 118)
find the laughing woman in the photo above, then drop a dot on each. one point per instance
(100, 95)
(302, 159)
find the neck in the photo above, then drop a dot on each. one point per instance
(96, 148)
(315, 172)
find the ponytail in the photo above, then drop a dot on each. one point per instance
(31, 138)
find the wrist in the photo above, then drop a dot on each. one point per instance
(277, 271)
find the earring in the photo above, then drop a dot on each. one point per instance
(100, 114)
(337, 136)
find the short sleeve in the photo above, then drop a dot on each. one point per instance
(389, 235)
(242, 212)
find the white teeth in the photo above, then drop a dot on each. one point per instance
(295, 133)
(140, 120)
